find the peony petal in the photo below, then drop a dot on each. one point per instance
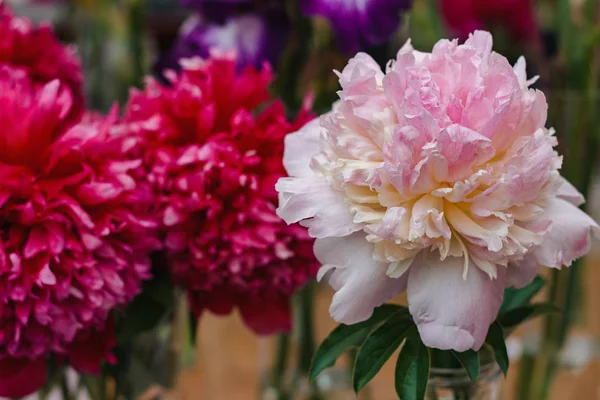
(321, 207)
(570, 193)
(361, 282)
(300, 147)
(569, 236)
(522, 273)
(20, 377)
(452, 312)
(267, 316)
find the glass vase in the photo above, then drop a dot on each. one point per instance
(284, 361)
(455, 384)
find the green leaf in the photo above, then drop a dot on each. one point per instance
(147, 309)
(470, 361)
(412, 368)
(379, 347)
(512, 318)
(514, 298)
(495, 338)
(344, 337)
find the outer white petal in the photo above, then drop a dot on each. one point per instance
(316, 205)
(361, 282)
(568, 192)
(300, 147)
(452, 312)
(569, 236)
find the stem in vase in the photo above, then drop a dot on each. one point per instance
(64, 386)
(279, 370)
(306, 337)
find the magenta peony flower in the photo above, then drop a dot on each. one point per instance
(73, 238)
(436, 177)
(517, 17)
(39, 52)
(214, 158)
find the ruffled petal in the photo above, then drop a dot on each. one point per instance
(568, 192)
(361, 282)
(452, 312)
(522, 273)
(319, 207)
(569, 236)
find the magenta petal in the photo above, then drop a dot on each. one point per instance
(21, 377)
(267, 316)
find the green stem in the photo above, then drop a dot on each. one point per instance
(279, 370)
(294, 61)
(95, 386)
(136, 42)
(64, 386)
(180, 337)
(307, 342)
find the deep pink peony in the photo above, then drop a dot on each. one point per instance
(437, 177)
(214, 158)
(44, 58)
(516, 17)
(73, 236)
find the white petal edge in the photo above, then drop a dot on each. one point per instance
(300, 147)
(569, 236)
(316, 205)
(360, 282)
(452, 312)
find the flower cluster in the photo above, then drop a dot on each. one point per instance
(73, 233)
(437, 177)
(213, 159)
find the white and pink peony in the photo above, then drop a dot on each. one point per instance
(437, 177)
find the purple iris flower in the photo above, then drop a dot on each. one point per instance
(257, 30)
(219, 10)
(359, 23)
(254, 38)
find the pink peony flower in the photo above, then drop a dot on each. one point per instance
(44, 58)
(436, 177)
(214, 158)
(73, 237)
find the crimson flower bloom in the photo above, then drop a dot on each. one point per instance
(40, 53)
(515, 16)
(214, 157)
(73, 235)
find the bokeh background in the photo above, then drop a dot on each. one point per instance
(120, 41)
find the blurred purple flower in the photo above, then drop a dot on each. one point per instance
(359, 23)
(219, 10)
(254, 38)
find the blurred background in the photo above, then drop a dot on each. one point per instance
(122, 41)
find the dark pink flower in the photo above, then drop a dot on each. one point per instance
(515, 16)
(21, 376)
(74, 237)
(214, 158)
(37, 51)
